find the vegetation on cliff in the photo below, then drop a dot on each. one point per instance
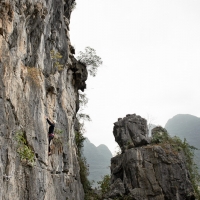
(84, 169)
(90, 59)
(55, 57)
(25, 152)
(186, 126)
(164, 139)
(92, 62)
(104, 184)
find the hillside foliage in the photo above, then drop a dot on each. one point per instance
(178, 145)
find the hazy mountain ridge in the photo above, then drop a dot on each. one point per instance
(186, 126)
(98, 159)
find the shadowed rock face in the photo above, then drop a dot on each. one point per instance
(147, 172)
(32, 86)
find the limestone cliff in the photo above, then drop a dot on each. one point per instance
(34, 84)
(146, 171)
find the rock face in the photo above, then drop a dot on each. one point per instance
(130, 131)
(147, 172)
(34, 84)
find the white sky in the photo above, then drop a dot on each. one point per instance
(151, 60)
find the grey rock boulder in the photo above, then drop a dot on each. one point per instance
(117, 189)
(147, 171)
(131, 131)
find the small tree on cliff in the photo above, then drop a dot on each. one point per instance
(104, 185)
(92, 62)
(90, 59)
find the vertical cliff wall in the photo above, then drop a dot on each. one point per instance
(33, 85)
(146, 171)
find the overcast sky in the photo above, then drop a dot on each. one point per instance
(151, 60)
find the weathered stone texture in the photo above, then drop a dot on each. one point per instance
(150, 171)
(31, 87)
(130, 131)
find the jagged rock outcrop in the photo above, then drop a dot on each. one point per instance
(147, 172)
(33, 85)
(130, 131)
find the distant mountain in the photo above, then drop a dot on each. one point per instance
(98, 159)
(186, 126)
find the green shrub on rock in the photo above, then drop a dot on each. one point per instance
(25, 152)
(90, 59)
(161, 136)
(105, 184)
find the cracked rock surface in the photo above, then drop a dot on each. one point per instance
(146, 171)
(32, 87)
